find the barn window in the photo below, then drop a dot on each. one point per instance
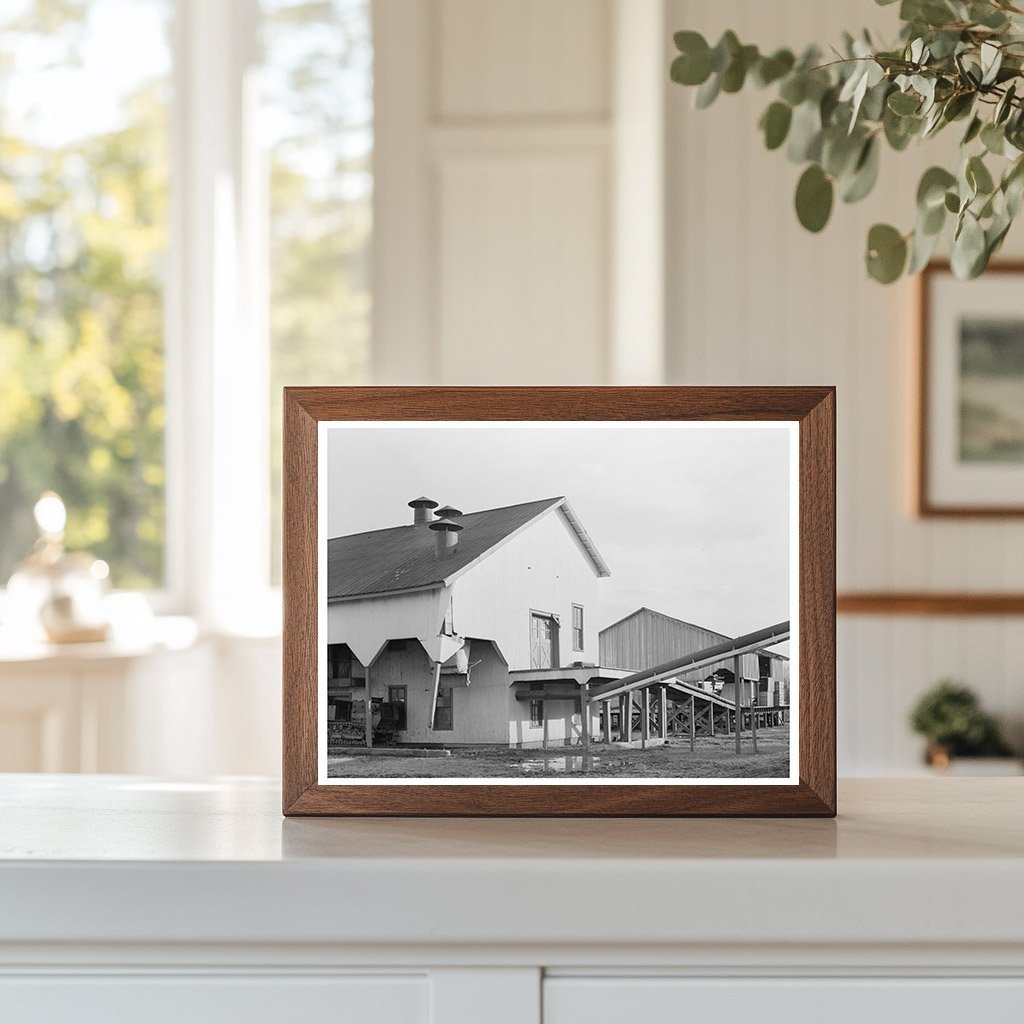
(444, 714)
(536, 712)
(577, 627)
(339, 659)
(396, 698)
(342, 710)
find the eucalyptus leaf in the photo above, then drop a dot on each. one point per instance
(794, 88)
(828, 106)
(775, 124)
(932, 221)
(707, 93)
(969, 71)
(944, 44)
(987, 15)
(904, 103)
(991, 60)
(978, 176)
(1005, 105)
(805, 133)
(1013, 187)
(886, 253)
(867, 74)
(966, 187)
(771, 69)
(973, 130)
(993, 138)
(735, 74)
(814, 195)
(925, 87)
(931, 190)
(922, 247)
(900, 130)
(691, 70)
(969, 248)
(840, 152)
(865, 174)
(724, 51)
(929, 12)
(933, 122)
(957, 106)
(1014, 192)
(687, 41)
(873, 106)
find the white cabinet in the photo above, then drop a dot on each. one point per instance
(200, 999)
(100, 707)
(172, 705)
(823, 1000)
(127, 899)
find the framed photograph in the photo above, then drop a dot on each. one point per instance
(559, 601)
(970, 445)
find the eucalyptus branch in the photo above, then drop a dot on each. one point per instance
(955, 61)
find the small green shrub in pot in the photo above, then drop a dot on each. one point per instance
(950, 717)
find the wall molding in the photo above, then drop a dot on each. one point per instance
(916, 603)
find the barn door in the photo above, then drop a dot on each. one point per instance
(543, 641)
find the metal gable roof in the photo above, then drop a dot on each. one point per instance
(680, 622)
(402, 558)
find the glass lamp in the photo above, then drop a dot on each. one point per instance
(56, 595)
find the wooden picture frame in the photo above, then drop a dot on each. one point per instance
(810, 792)
(940, 489)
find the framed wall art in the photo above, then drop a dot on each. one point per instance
(559, 601)
(970, 443)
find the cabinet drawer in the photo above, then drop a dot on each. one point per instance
(570, 1000)
(202, 999)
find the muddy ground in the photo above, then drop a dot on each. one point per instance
(714, 757)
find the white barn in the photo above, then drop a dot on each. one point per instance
(481, 626)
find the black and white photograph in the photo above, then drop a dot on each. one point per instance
(571, 602)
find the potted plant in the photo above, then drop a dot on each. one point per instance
(956, 62)
(950, 718)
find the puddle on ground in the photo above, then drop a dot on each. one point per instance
(569, 763)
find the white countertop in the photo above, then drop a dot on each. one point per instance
(122, 859)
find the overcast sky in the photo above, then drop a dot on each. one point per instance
(692, 520)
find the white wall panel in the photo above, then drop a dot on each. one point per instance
(754, 299)
(502, 161)
(527, 58)
(523, 285)
(522, 202)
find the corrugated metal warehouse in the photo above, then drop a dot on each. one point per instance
(646, 638)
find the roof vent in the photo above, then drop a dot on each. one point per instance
(421, 510)
(447, 513)
(446, 536)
